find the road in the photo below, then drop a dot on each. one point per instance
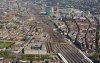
(71, 54)
(67, 50)
(87, 45)
(48, 26)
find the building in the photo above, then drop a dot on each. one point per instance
(36, 46)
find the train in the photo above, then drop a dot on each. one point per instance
(61, 57)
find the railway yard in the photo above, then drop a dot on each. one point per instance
(36, 37)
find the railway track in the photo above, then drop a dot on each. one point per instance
(71, 54)
(49, 47)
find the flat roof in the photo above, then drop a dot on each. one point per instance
(35, 44)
